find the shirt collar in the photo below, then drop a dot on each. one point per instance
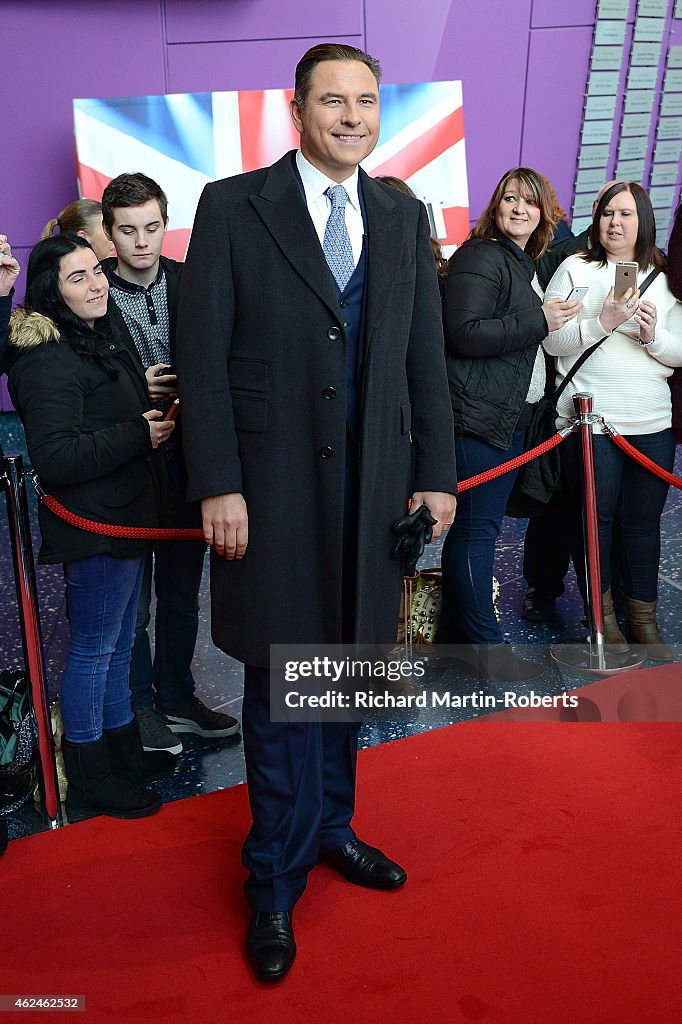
(130, 286)
(315, 183)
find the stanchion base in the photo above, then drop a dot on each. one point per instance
(582, 658)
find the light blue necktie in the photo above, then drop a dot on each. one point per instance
(336, 245)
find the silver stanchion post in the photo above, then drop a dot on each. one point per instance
(27, 601)
(594, 657)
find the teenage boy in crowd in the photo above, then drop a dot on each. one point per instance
(144, 288)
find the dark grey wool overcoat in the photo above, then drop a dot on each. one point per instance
(260, 342)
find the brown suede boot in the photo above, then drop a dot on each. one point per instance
(613, 637)
(642, 628)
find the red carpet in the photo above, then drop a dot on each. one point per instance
(544, 888)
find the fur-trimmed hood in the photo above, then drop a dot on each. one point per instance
(28, 329)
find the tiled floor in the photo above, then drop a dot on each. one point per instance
(205, 766)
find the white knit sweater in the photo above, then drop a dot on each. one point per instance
(629, 382)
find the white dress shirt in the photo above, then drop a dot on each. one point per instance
(315, 184)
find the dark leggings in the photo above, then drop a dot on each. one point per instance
(630, 501)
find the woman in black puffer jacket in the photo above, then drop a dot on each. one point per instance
(90, 434)
(494, 322)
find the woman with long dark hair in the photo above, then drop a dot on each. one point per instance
(90, 434)
(628, 377)
(494, 321)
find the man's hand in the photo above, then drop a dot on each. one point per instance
(9, 267)
(226, 524)
(441, 505)
(159, 383)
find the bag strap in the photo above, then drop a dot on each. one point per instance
(586, 355)
(13, 700)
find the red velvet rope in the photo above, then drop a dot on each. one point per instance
(107, 530)
(149, 533)
(643, 460)
(506, 467)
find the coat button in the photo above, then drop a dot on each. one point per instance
(326, 452)
(334, 334)
(112, 348)
(329, 393)
(343, 303)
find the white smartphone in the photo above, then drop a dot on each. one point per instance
(577, 293)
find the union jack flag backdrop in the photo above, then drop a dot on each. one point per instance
(185, 140)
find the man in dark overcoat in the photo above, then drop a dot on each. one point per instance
(315, 405)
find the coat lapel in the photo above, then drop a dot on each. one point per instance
(282, 208)
(384, 247)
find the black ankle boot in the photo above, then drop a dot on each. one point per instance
(128, 757)
(94, 789)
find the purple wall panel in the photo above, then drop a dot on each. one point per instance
(207, 21)
(557, 13)
(407, 49)
(554, 104)
(266, 64)
(486, 46)
(52, 53)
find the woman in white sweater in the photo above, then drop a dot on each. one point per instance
(628, 376)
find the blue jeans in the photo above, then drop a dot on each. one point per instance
(468, 615)
(630, 501)
(167, 680)
(101, 594)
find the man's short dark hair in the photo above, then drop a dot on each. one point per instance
(131, 190)
(328, 51)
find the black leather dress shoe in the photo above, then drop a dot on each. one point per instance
(270, 944)
(365, 865)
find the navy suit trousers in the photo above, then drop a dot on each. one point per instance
(301, 779)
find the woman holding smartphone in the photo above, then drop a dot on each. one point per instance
(494, 321)
(90, 435)
(628, 376)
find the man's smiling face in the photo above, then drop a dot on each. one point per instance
(339, 124)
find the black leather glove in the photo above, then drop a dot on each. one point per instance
(414, 532)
